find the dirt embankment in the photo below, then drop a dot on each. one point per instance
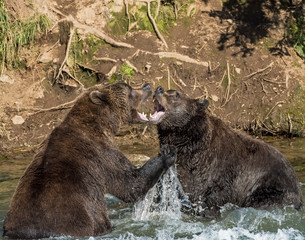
(202, 52)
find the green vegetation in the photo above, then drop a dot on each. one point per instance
(296, 108)
(82, 54)
(169, 13)
(3, 157)
(16, 34)
(124, 74)
(296, 34)
(84, 49)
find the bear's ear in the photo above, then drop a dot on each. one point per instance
(203, 105)
(98, 98)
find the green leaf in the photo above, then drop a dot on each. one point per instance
(300, 49)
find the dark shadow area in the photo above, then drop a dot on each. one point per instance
(294, 35)
(250, 20)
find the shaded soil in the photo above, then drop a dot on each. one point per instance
(252, 91)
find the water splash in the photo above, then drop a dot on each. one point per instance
(162, 201)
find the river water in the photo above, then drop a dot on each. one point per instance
(234, 223)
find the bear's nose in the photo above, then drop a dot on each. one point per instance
(160, 90)
(146, 87)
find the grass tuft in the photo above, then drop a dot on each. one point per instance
(16, 34)
(124, 74)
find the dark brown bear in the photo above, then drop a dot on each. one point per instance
(218, 165)
(62, 191)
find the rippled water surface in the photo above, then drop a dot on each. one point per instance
(234, 223)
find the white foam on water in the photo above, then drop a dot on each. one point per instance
(162, 201)
(222, 234)
(163, 221)
(241, 233)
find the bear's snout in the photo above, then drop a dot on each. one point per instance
(147, 87)
(159, 91)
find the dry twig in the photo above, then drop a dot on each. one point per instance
(56, 108)
(180, 57)
(168, 78)
(181, 88)
(260, 70)
(227, 94)
(105, 59)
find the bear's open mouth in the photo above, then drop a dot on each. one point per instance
(159, 112)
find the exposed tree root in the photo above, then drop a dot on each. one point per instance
(227, 94)
(105, 59)
(181, 57)
(74, 78)
(129, 64)
(260, 70)
(158, 9)
(177, 84)
(168, 79)
(65, 61)
(90, 30)
(271, 110)
(56, 108)
(228, 97)
(127, 14)
(153, 22)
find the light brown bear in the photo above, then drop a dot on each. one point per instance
(218, 165)
(62, 191)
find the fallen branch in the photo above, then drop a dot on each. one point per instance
(271, 110)
(227, 94)
(223, 77)
(111, 72)
(168, 78)
(263, 88)
(183, 83)
(260, 70)
(287, 79)
(56, 108)
(153, 22)
(90, 30)
(178, 85)
(274, 82)
(105, 59)
(180, 57)
(129, 64)
(175, 55)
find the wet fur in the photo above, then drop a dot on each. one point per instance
(218, 165)
(62, 191)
